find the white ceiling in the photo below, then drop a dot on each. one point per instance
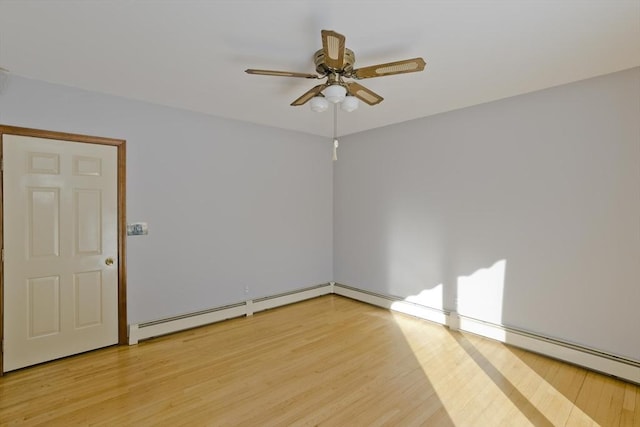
(192, 54)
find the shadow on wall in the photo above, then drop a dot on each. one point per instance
(478, 295)
(445, 246)
(468, 275)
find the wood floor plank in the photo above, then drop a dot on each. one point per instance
(630, 407)
(326, 361)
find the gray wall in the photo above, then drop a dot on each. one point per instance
(228, 204)
(524, 211)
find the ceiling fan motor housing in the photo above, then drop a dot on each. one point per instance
(323, 69)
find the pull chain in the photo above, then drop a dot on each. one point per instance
(335, 132)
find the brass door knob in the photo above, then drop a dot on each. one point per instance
(108, 261)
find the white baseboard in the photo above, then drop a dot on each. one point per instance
(609, 364)
(395, 304)
(290, 298)
(595, 360)
(626, 369)
(142, 331)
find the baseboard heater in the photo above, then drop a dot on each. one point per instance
(596, 360)
(146, 330)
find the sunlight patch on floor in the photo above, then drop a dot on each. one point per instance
(481, 382)
(539, 393)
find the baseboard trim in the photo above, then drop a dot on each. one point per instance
(595, 360)
(609, 364)
(291, 297)
(393, 303)
(146, 330)
(606, 363)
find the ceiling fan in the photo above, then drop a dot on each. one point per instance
(335, 63)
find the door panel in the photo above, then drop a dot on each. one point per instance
(60, 224)
(43, 228)
(87, 209)
(88, 298)
(43, 163)
(43, 306)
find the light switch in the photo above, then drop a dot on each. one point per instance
(137, 229)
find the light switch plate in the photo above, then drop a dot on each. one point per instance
(137, 229)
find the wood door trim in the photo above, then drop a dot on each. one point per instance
(121, 145)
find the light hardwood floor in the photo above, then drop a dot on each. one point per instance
(327, 361)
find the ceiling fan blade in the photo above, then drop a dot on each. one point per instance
(390, 68)
(281, 73)
(333, 45)
(308, 95)
(361, 92)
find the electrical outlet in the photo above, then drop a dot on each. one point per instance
(246, 290)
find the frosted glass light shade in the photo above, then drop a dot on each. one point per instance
(350, 103)
(335, 93)
(319, 104)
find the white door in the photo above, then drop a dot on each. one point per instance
(60, 249)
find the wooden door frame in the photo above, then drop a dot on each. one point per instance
(122, 224)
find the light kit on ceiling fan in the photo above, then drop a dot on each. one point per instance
(350, 103)
(335, 63)
(335, 93)
(319, 104)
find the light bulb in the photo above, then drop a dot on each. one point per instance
(319, 104)
(350, 103)
(335, 93)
